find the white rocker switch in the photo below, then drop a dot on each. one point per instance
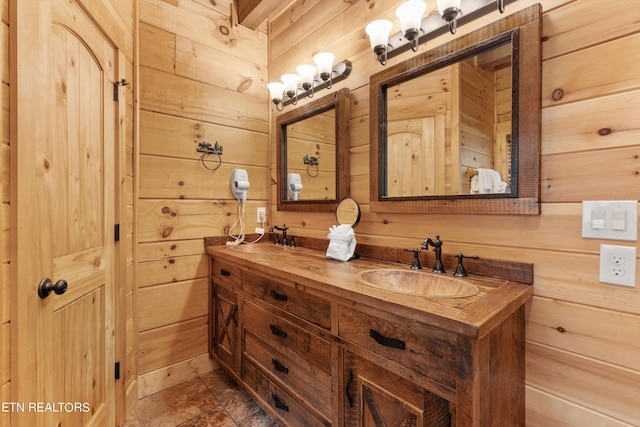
(619, 220)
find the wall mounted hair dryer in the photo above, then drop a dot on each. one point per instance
(239, 184)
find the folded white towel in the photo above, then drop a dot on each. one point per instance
(489, 181)
(342, 242)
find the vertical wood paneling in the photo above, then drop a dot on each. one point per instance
(581, 351)
(202, 80)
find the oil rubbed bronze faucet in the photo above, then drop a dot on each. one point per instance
(415, 265)
(437, 248)
(284, 229)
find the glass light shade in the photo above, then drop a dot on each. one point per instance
(324, 61)
(275, 90)
(290, 83)
(410, 14)
(443, 5)
(307, 73)
(378, 32)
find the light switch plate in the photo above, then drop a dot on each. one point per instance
(610, 219)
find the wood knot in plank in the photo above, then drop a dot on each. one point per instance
(557, 95)
(244, 84)
(561, 329)
(605, 131)
(166, 232)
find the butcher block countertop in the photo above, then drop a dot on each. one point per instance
(310, 270)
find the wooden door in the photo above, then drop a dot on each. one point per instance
(412, 147)
(63, 145)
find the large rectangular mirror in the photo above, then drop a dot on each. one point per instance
(456, 129)
(313, 162)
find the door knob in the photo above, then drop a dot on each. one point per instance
(46, 286)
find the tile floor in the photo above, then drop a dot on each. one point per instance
(210, 400)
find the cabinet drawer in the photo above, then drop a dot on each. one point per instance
(312, 385)
(425, 350)
(311, 308)
(286, 337)
(280, 402)
(226, 272)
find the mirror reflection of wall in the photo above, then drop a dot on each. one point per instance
(445, 126)
(313, 137)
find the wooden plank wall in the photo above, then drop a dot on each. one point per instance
(202, 80)
(5, 320)
(117, 19)
(582, 365)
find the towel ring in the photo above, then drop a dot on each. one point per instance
(309, 171)
(206, 148)
(204, 161)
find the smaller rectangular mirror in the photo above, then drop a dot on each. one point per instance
(313, 161)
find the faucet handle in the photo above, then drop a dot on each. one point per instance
(415, 265)
(460, 271)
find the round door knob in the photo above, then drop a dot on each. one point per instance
(46, 286)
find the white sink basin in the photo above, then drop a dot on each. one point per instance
(420, 283)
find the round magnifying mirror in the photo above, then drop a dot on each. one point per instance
(348, 212)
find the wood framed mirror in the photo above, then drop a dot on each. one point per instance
(313, 155)
(468, 108)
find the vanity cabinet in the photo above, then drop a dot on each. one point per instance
(317, 348)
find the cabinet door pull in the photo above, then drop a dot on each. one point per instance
(278, 366)
(235, 314)
(277, 332)
(278, 295)
(387, 342)
(225, 273)
(347, 387)
(279, 403)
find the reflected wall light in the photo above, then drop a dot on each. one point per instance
(307, 81)
(451, 14)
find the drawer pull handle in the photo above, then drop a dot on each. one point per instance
(387, 342)
(278, 366)
(225, 273)
(279, 403)
(277, 332)
(278, 295)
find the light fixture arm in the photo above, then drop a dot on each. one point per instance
(453, 26)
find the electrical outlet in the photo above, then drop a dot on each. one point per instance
(261, 215)
(618, 265)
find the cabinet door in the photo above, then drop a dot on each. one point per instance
(376, 397)
(225, 331)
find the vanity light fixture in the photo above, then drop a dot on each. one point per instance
(410, 15)
(307, 81)
(415, 29)
(449, 10)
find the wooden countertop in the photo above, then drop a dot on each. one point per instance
(309, 268)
